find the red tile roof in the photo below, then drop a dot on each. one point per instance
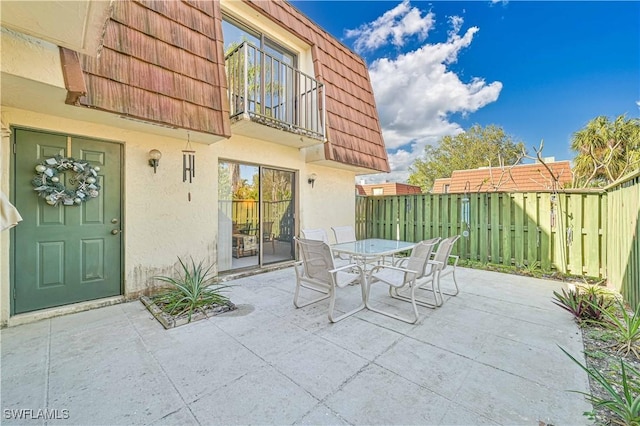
(393, 188)
(524, 177)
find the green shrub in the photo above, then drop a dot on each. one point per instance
(588, 304)
(194, 289)
(532, 267)
(624, 327)
(623, 403)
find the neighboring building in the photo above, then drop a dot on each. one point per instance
(523, 177)
(277, 129)
(387, 189)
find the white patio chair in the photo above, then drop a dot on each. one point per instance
(445, 268)
(317, 271)
(268, 236)
(318, 234)
(344, 234)
(436, 268)
(402, 277)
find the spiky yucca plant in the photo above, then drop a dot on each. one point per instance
(622, 398)
(194, 289)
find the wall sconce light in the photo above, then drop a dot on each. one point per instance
(154, 159)
(312, 179)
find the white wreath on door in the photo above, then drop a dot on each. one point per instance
(48, 185)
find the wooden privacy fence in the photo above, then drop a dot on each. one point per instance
(564, 232)
(622, 242)
(247, 212)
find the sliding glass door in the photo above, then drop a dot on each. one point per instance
(278, 214)
(256, 212)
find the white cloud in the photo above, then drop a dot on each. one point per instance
(416, 93)
(396, 24)
(456, 24)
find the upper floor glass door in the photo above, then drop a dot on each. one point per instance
(262, 75)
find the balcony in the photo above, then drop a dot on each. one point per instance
(271, 100)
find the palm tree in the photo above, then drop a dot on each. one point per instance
(605, 150)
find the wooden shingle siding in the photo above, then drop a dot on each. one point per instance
(73, 78)
(353, 130)
(162, 61)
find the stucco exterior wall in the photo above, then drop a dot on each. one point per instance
(159, 222)
(331, 201)
(30, 58)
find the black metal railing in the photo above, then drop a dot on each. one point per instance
(263, 88)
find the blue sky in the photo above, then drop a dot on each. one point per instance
(541, 70)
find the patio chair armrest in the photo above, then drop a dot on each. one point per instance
(435, 262)
(395, 268)
(399, 261)
(346, 267)
(455, 259)
(297, 266)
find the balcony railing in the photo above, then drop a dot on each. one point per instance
(267, 90)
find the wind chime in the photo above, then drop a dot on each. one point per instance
(465, 210)
(188, 164)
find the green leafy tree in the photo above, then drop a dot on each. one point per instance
(224, 181)
(246, 190)
(477, 147)
(269, 87)
(605, 150)
(276, 186)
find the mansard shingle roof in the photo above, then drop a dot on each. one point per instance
(163, 61)
(353, 128)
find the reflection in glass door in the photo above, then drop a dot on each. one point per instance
(238, 216)
(277, 212)
(250, 232)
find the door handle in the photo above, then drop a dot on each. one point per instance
(115, 231)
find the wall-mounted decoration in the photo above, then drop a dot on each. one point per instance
(188, 163)
(48, 185)
(465, 211)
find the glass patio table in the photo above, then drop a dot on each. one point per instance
(364, 251)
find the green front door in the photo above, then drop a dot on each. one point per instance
(65, 254)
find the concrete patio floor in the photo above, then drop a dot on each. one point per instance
(488, 356)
